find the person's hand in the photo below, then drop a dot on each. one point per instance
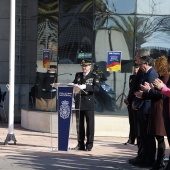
(145, 87)
(152, 86)
(76, 88)
(158, 84)
(54, 85)
(139, 94)
(126, 101)
(83, 86)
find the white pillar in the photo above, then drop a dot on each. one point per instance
(10, 135)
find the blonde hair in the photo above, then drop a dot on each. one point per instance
(161, 65)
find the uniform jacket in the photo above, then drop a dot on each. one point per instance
(86, 100)
(49, 78)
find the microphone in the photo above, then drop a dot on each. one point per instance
(64, 74)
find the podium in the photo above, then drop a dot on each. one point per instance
(64, 107)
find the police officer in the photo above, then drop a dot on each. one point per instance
(49, 92)
(89, 83)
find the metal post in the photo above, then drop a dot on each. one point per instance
(11, 135)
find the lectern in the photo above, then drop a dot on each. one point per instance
(64, 107)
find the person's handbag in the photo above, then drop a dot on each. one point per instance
(137, 103)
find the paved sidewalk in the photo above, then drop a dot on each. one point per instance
(37, 150)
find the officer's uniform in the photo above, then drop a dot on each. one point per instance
(85, 101)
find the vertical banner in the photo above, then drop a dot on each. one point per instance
(46, 58)
(114, 61)
(64, 114)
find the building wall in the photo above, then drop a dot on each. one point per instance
(26, 51)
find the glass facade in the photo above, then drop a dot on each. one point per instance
(154, 7)
(77, 29)
(75, 38)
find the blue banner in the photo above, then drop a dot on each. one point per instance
(114, 61)
(64, 114)
(46, 58)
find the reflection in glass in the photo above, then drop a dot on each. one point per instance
(45, 94)
(47, 28)
(47, 38)
(154, 7)
(76, 6)
(75, 38)
(115, 6)
(122, 27)
(153, 32)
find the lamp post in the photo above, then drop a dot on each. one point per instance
(10, 135)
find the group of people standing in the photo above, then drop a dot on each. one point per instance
(149, 117)
(148, 109)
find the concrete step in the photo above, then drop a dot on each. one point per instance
(105, 125)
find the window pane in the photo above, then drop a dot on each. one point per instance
(47, 37)
(153, 32)
(76, 6)
(122, 30)
(75, 38)
(115, 6)
(159, 7)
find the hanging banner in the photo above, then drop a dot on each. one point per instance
(114, 61)
(46, 58)
(65, 95)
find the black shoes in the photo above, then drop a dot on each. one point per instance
(88, 149)
(129, 142)
(141, 162)
(136, 161)
(78, 148)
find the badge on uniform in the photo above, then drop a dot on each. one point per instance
(89, 81)
(97, 80)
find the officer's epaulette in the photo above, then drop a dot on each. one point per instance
(79, 73)
(95, 73)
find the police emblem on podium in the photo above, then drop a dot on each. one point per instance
(65, 95)
(64, 110)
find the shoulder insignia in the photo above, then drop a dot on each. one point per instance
(79, 73)
(95, 73)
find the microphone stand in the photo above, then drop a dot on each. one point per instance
(64, 74)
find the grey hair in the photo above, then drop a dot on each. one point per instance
(143, 52)
(147, 60)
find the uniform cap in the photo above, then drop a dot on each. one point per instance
(86, 62)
